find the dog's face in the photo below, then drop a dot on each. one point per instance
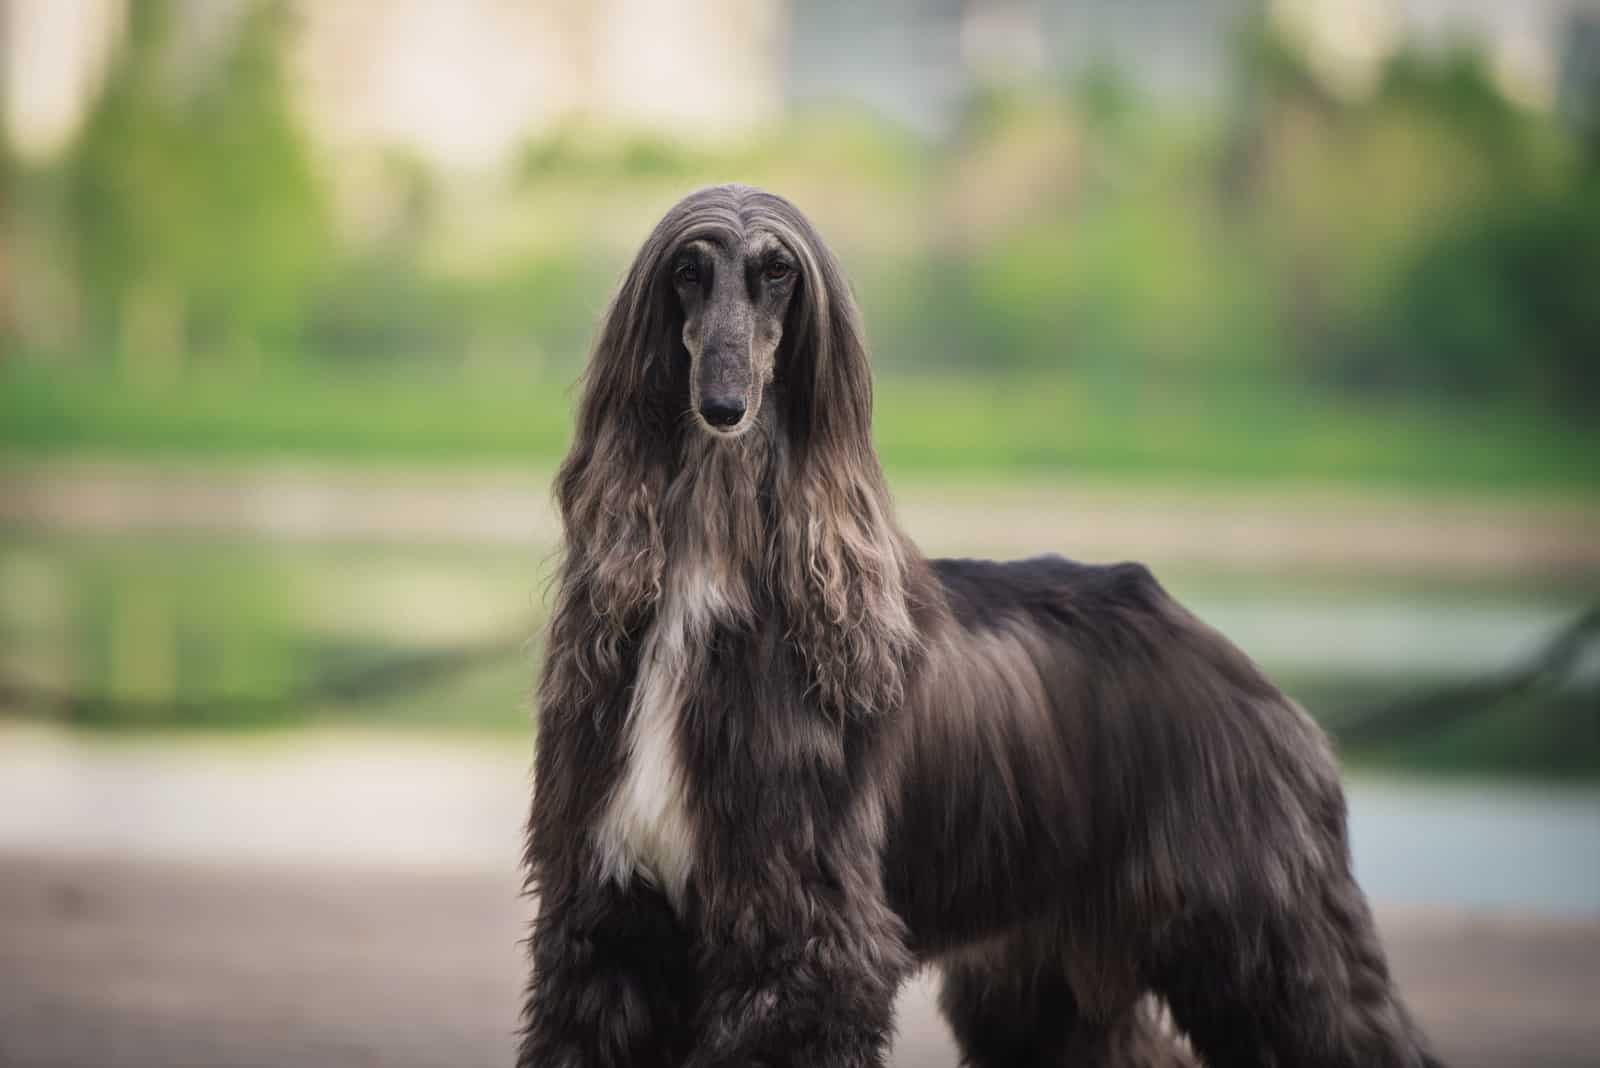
(734, 296)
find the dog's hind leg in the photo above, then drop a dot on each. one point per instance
(1010, 1005)
(1309, 989)
(1007, 1009)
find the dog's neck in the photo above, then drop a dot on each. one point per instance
(798, 537)
(813, 550)
(716, 514)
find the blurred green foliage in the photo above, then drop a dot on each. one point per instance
(1431, 243)
(196, 228)
(1536, 735)
(943, 422)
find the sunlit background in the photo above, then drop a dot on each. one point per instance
(1297, 301)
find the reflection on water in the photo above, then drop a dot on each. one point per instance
(1375, 633)
(1478, 844)
(159, 623)
(153, 621)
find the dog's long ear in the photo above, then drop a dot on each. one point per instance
(824, 366)
(627, 384)
(616, 469)
(844, 565)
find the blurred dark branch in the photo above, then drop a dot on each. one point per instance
(1552, 665)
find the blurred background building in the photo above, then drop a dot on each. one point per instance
(1294, 299)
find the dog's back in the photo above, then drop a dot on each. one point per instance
(1080, 740)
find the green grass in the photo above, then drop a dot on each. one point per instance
(1225, 434)
(368, 416)
(934, 424)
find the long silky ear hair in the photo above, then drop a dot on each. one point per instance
(610, 486)
(844, 570)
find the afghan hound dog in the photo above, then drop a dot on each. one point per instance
(783, 760)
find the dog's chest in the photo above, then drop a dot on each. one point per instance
(647, 830)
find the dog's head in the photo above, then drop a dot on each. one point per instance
(733, 291)
(733, 315)
(733, 352)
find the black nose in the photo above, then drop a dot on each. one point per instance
(722, 411)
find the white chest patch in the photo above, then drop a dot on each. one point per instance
(646, 830)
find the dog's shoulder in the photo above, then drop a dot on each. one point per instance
(976, 589)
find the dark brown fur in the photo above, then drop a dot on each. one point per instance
(1046, 777)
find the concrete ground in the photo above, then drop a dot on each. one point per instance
(332, 898)
(118, 962)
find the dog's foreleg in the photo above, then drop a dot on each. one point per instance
(797, 974)
(612, 984)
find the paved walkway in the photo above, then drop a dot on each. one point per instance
(323, 899)
(121, 963)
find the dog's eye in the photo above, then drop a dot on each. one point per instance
(777, 271)
(686, 272)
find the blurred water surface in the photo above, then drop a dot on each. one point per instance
(148, 631)
(162, 626)
(156, 620)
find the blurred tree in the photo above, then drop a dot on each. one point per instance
(1498, 267)
(8, 169)
(1509, 303)
(199, 226)
(1429, 237)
